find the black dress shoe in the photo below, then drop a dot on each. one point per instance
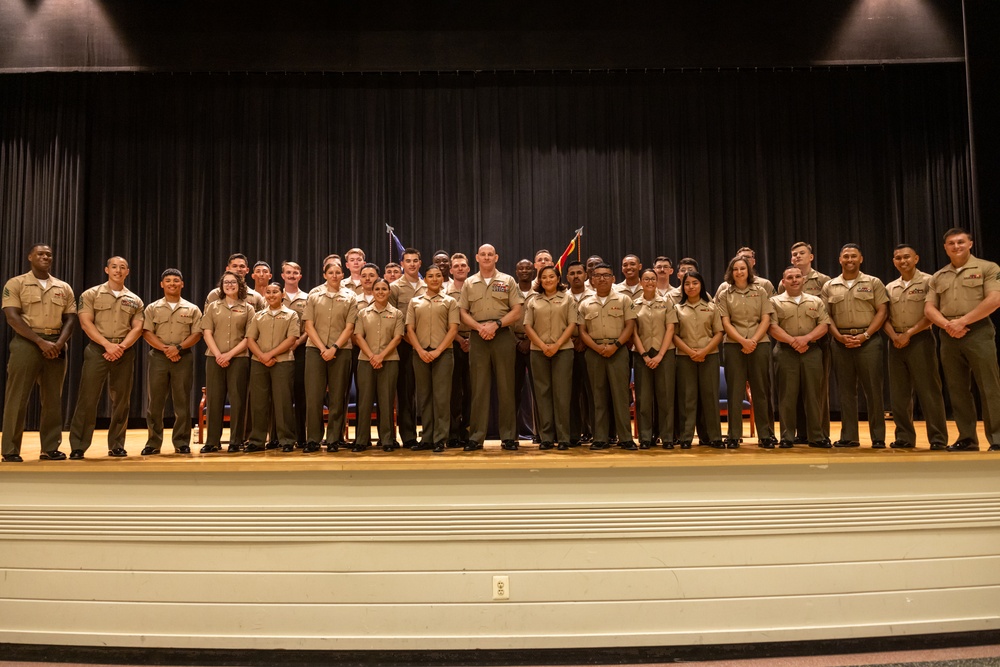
(669, 444)
(878, 444)
(310, 447)
(272, 445)
(288, 448)
(234, 448)
(563, 446)
(208, 449)
(410, 443)
(439, 447)
(799, 440)
(786, 444)
(251, 448)
(146, 451)
(846, 443)
(54, 455)
(965, 445)
(584, 439)
(332, 447)
(645, 444)
(455, 443)
(899, 444)
(686, 444)
(822, 444)
(472, 446)
(994, 448)
(183, 449)
(597, 444)
(421, 447)
(938, 447)
(12, 458)
(628, 444)
(509, 445)
(719, 444)
(766, 443)
(118, 452)
(76, 455)
(546, 445)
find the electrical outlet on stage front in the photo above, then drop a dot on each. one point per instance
(501, 587)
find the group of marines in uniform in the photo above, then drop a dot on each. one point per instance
(434, 342)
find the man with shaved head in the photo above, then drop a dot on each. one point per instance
(491, 303)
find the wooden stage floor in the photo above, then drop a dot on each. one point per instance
(492, 456)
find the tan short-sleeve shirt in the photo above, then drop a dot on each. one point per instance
(854, 307)
(298, 304)
(798, 319)
(357, 288)
(378, 328)
(330, 313)
(463, 329)
(906, 304)
(697, 324)
(487, 302)
(228, 325)
(112, 314)
(549, 316)
(956, 292)
(402, 291)
(254, 298)
(652, 319)
(171, 325)
(430, 317)
(745, 308)
(605, 321)
(269, 330)
(41, 309)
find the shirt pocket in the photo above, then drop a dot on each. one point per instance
(31, 295)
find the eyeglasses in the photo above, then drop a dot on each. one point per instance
(602, 276)
(230, 282)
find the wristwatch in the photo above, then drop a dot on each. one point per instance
(618, 343)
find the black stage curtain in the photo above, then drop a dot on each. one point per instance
(180, 170)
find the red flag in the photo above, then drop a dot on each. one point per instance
(573, 246)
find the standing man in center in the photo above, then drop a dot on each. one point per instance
(490, 303)
(172, 327)
(857, 306)
(409, 285)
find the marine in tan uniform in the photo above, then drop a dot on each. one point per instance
(550, 322)
(581, 418)
(800, 321)
(41, 309)
(746, 316)
(227, 362)
(329, 319)
(295, 299)
(960, 300)
(111, 316)
(172, 327)
(913, 359)
(237, 263)
(751, 257)
(431, 325)
(491, 303)
(607, 320)
(524, 398)
(270, 336)
(354, 262)
(802, 258)
(408, 286)
(378, 330)
(686, 265)
(461, 386)
(664, 268)
(655, 363)
(629, 286)
(261, 275)
(699, 332)
(857, 304)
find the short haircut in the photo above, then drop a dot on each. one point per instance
(604, 265)
(663, 258)
(441, 252)
(903, 246)
(371, 265)
(802, 244)
(172, 272)
(747, 249)
(355, 251)
(632, 254)
(294, 265)
(849, 246)
(114, 257)
(393, 264)
(32, 247)
(575, 262)
(411, 251)
(790, 266)
(688, 261)
(262, 263)
(955, 231)
(237, 255)
(751, 274)
(459, 255)
(540, 251)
